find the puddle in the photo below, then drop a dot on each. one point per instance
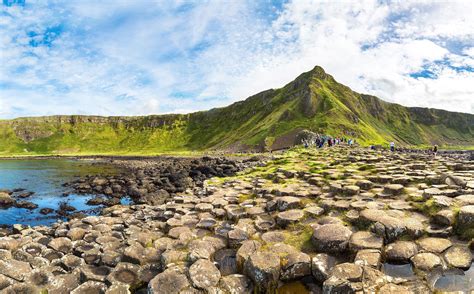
(398, 270)
(456, 281)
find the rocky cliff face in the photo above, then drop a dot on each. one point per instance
(313, 101)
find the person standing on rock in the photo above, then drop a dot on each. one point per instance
(435, 149)
(392, 146)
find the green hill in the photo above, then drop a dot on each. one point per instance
(270, 119)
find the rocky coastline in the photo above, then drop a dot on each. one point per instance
(307, 221)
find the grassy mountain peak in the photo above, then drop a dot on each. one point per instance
(268, 120)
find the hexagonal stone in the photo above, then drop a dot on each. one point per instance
(204, 274)
(314, 211)
(458, 256)
(62, 244)
(393, 189)
(125, 273)
(288, 217)
(238, 284)
(365, 240)
(264, 269)
(331, 238)
(350, 190)
(400, 251)
(248, 248)
(295, 265)
(466, 217)
(348, 271)
(322, 265)
(368, 257)
(236, 237)
(365, 184)
(94, 273)
(445, 217)
(435, 245)
(90, 287)
(426, 261)
(15, 269)
(172, 281)
(288, 202)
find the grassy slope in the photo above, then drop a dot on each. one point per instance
(312, 101)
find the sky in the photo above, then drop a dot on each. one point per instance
(139, 57)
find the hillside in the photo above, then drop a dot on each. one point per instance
(270, 119)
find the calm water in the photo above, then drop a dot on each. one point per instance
(45, 177)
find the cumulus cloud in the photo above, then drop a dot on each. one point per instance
(143, 57)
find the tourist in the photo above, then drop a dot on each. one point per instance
(435, 149)
(392, 146)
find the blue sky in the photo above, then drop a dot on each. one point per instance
(145, 57)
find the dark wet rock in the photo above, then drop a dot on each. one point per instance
(6, 200)
(26, 205)
(331, 238)
(46, 210)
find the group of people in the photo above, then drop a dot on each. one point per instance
(320, 141)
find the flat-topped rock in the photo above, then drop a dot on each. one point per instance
(400, 251)
(466, 217)
(426, 261)
(458, 256)
(264, 269)
(331, 238)
(435, 245)
(288, 217)
(365, 240)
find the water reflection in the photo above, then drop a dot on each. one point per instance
(398, 270)
(456, 281)
(45, 178)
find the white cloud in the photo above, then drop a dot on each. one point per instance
(142, 57)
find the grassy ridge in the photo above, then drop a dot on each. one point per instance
(313, 101)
